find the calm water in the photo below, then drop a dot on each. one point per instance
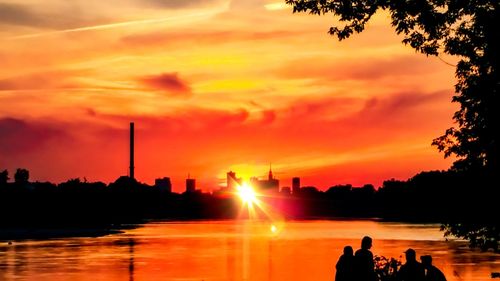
(233, 250)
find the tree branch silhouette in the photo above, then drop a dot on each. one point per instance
(466, 29)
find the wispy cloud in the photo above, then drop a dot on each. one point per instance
(51, 79)
(166, 38)
(16, 14)
(192, 16)
(361, 69)
(181, 4)
(29, 16)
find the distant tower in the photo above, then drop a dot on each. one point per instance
(190, 185)
(270, 185)
(132, 150)
(295, 185)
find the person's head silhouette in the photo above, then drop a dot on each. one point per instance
(366, 243)
(411, 255)
(348, 251)
(426, 260)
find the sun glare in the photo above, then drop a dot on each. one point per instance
(247, 194)
(274, 228)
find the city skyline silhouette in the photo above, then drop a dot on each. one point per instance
(257, 179)
(256, 84)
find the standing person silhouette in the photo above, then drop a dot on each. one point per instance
(363, 261)
(412, 270)
(432, 273)
(345, 266)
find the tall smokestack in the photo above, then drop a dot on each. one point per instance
(132, 150)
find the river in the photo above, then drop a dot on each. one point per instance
(234, 250)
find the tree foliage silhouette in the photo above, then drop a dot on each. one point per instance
(463, 28)
(21, 176)
(4, 177)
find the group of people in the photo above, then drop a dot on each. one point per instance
(360, 266)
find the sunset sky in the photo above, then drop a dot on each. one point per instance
(213, 86)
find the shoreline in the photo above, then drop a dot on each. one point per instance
(10, 235)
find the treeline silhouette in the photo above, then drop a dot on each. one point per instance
(77, 203)
(436, 196)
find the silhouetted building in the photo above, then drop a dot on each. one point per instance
(269, 185)
(232, 181)
(163, 184)
(286, 190)
(190, 185)
(131, 174)
(295, 185)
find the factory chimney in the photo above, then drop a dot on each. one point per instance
(131, 150)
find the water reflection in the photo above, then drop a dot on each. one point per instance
(300, 250)
(131, 244)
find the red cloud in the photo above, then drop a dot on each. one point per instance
(24, 137)
(168, 82)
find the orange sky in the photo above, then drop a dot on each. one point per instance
(213, 85)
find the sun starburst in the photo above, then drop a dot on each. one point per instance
(247, 194)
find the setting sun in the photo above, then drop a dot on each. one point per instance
(247, 194)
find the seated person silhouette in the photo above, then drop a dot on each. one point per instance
(432, 273)
(363, 261)
(345, 266)
(412, 270)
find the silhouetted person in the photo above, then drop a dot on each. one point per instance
(363, 261)
(432, 273)
(345, 266)
(412, 270)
